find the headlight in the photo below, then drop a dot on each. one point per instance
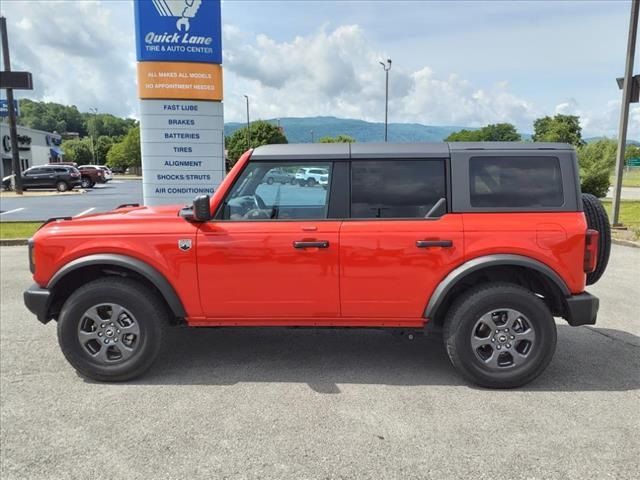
(32, 258)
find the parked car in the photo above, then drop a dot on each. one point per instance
(310, 177)
(91, 174)
(483, 242)
(106, 172)
(60, 177)
(279, 175)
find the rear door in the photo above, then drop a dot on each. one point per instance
(400, 241)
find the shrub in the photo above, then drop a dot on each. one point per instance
(596, 161)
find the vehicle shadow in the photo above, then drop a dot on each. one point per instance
(586, 359)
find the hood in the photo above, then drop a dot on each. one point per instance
(124, 221)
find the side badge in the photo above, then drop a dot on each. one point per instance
(184, 244)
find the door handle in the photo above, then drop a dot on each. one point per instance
(311, 244)
(434, 243)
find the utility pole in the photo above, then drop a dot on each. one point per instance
(248, 124)
(624, 113)
(93, 110)
(8, 82)
(386, 67)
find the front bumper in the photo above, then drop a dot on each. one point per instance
(582, 309)
(36, 300)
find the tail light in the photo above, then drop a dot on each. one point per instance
(592, 238)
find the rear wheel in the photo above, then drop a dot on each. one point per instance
(112, 329)
(86, 182)
(500, 335)
(62, 186)
(597, 219)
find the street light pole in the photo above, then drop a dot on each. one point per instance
(93, 110)
(386, 67)
(13, 129)
(624, 113)
(248, 124)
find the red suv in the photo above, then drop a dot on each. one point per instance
(485, 242)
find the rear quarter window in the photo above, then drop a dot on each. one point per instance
(515, 182)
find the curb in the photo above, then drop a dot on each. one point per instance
(626, 243)
(12, 242)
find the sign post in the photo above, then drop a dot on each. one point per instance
(10, 80)
(179, 52)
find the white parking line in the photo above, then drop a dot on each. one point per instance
(12, 211)
(88, 210)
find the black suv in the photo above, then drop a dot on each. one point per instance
(60, 177)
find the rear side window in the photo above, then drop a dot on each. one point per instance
(515, 182)
(396, 189)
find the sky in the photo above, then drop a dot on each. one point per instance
(454, 63)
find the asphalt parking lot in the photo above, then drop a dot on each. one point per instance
(353, 404)
(101, 198)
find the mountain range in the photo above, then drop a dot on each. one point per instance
(303, 129)
(308, 129)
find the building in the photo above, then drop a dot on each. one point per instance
(36, 148)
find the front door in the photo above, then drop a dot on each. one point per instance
(271, 254)
(400, 241)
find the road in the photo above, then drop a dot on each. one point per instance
(343, 404)
(101, 198)
(627, 193)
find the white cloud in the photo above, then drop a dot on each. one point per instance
(337, 73)
(604, 121)
(82, 53)
(76, 52)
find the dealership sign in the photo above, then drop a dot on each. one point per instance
(178, 31)
(180, 91)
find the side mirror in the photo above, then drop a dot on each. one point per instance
(201, 209)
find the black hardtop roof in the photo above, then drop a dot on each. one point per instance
(331, 151)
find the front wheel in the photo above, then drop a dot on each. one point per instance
(500, 335)
(112, 329)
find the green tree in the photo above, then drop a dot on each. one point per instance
(51, 117)
(337, 139)
(103, 145)
(561, 128)
(116, 157)
(262, 133)
(126, 153)
(495, 132)
(596, 161)
(78, 150)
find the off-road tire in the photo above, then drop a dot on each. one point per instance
(144, 304)
(597, 219)
(477, 302)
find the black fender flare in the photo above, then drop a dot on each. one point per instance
(479, 263)
(129, 263)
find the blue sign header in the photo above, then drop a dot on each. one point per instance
(4, 107)
(178, 31)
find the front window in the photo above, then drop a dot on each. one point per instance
(279, 191)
